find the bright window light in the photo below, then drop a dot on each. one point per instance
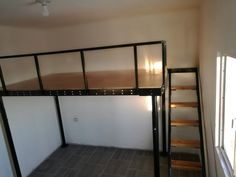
(226, 110)
(153, 68)
(230, 109)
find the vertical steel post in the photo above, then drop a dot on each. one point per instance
(36, 61)
(164, 150)
(63, 139)
(2, 80)
(155, 128)
(169, 125)
(200, 125)
(136, 67)
(9, 139)
(83, 67)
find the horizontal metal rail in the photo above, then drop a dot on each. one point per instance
(104, 92)
(182, 70)
(83, 49)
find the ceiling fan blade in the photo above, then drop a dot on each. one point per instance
(33, 2)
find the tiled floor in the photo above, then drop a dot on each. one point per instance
(89, 161)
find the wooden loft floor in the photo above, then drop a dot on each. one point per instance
(121, 79)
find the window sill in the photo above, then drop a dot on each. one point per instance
(226, 167)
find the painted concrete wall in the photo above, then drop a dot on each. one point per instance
(178, 28)
(108, 121)
(217, 39)
(34, 129)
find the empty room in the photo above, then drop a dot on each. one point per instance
(129, 88)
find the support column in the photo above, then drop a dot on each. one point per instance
(155, 127)
(63, 139)
(164, 137)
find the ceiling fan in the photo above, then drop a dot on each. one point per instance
(44, 4)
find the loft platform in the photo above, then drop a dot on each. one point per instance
(127, 69)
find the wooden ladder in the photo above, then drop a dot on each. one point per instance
(180, 123)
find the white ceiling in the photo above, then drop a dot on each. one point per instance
(70, 12)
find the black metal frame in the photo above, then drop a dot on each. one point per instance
(169, 125)
(155, 125)
(163, 101)
(87, 91)
(63, 139)
(195, 71)
(154, 92)
(200, 125)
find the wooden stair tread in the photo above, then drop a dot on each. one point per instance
(184, 104)
(186, 165)
(184, 122)
(183, 87)
(185, 143)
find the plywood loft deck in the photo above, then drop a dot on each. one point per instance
(96, 80)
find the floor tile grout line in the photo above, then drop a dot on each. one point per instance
(124, 155)
(106, 165)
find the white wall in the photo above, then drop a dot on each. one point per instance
(18, 40)
(34, 128)
(5, 166)
(178, 28)
(108, 121)
(217, 39)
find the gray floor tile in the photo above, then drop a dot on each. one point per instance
(65, 172)
(85, 150)
(123, 154)
(89, 170)
(101, 155)
(142, 163)
(49, 166)
(90, 161)
(61, 153)
(117, 167)
(35, 174)
(142, 153)
(139, 173)
(71, 162)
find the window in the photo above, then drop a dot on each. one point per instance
(227, 111)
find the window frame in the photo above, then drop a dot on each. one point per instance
(229, 168)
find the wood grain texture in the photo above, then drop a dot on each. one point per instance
(184, 104)
(185, 165)
(184, 122)
(186, 143)
(183, 87)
